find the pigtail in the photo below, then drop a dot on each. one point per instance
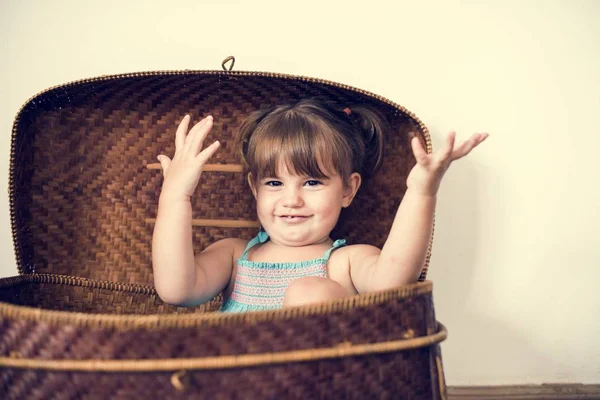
(372, 127)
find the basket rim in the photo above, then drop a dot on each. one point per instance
(156, 321)
(22, 269)
(344, 349)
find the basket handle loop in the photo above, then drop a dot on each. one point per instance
(225, 61)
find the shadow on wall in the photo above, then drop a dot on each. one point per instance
(481, 349)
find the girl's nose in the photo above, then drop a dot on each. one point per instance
(293, 199)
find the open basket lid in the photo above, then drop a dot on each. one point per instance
(84, 181)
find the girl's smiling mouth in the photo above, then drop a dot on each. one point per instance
(294, 218)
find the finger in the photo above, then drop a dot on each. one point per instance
(446, 151)
(194, 130)
(207, 153)
(180, 134)
(197, 135)
(165, 163)
(418, 150)
(466, 147)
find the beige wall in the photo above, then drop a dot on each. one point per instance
(517, 252)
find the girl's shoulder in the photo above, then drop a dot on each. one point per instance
(344, 256)
(234, 245)
(353, 250)
(339, 265)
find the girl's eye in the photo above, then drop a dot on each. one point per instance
(273, 183)
(312, 182)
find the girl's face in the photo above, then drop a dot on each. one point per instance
(300, 210)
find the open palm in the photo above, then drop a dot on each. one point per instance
(182, 173)
(427, 174)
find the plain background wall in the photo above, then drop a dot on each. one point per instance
(517, 252)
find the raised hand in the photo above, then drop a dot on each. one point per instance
(427, 174)
(182, 173)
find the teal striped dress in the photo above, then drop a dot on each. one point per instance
(261, 285)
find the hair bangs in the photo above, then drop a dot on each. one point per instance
(301, 145)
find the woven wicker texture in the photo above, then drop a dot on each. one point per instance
(61, 293)
(385, 376)
(81, 192)
(412, 373)
(358, 325)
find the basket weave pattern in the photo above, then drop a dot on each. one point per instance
(374, 377)
(360, 326)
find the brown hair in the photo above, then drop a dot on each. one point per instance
(313, 138)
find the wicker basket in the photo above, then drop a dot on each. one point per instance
(81, 321)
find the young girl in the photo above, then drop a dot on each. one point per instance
(305, 162)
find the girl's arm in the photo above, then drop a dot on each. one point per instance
(402, 257)
(179, 277)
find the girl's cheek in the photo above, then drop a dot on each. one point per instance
(266, 201)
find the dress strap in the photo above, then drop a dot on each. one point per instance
(338, 243)
(260, 238)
